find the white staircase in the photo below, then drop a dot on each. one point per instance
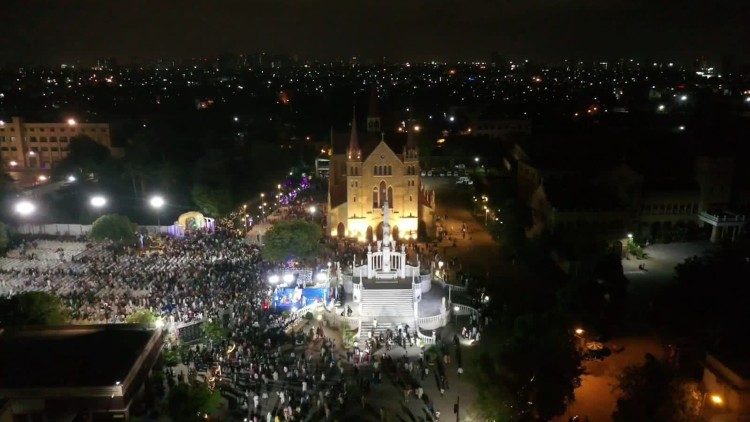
(387, 303)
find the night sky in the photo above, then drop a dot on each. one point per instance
(49, 31)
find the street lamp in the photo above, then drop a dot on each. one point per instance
(25, 207)
(579, 331)
(455, 313)
(156, 202)
(72, 122)
(98, 201)
(71, 178)
(717, 399)
(312, 209)
(476, 159)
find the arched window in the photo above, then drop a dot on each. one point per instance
(383, 193)
(390, 197)
(374, 197)
(390, 170)
(375, 170)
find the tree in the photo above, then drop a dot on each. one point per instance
(528, 371)
(214, 330)
(4, 237)
(117, 228)
(213, 201)
(295, 239)
(32, 308)
(187, 402)
(85, 156)
(142, 316)
(653, 392)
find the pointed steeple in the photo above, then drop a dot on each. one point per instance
(373, 112)
(411, 139)
(354, 152)
(410, 149)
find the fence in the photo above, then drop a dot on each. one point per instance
(190, 331)
(56, 229)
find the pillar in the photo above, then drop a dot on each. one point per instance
(714, 234)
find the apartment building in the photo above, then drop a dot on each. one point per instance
(25, 145)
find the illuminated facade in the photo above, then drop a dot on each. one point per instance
(26, 145)
(367, 174)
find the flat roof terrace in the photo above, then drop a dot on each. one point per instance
(75, 356)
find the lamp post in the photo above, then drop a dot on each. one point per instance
(156, 202)
(25, 207)
(455, 313)
(98, 202)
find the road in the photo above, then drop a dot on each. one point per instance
(597, 395)
(478, 252)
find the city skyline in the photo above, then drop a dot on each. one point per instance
(58, 32)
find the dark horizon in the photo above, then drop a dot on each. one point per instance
(419, 30)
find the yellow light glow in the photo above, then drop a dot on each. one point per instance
(579, 331)
(716, 399)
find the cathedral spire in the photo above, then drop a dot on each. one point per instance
(354, 152)
(373, 112)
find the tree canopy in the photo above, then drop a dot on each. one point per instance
(4, 237)
(528, 370)
(32, 308)
(653, 392)
(142, 316)
(215, 201)
(190, 402)
(117, 228)
(294, 239)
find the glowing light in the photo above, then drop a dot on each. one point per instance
(476, 159)
(13, 163)
(579, 331)
(273, 279)
(683, 98)
(417, 128)
(98, 201)
(71, 178)
(312, 209)
(72, 122)
(288, 278)
(661, 107)
(452, 118)
(42, 178)
(159, 323)
(321, 277)
(156, 201)
(25, 207)
(456, 308)
(717, 399)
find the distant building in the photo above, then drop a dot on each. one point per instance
(366, 172)
(26, 145)
(501, 128)
(726, 386)
(76, 372)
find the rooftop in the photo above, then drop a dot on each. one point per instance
(70, 356)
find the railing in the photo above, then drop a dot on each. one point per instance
(425, 338)
(433, 322)
(723, 218)
(463, 309)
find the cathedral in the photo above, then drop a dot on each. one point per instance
(369, 170)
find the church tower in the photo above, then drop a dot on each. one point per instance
(412, 171)
(354, 172)
(373, 114)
